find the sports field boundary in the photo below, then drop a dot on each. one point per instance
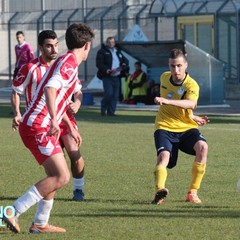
(229, 108)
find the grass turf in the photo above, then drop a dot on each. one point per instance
(120, 156)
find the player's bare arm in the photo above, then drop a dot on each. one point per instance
(15, 101)
(50, 94)
(184, 103)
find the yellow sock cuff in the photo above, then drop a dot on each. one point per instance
(199, 167)
(159, 168)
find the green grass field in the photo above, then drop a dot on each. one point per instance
(120, 157)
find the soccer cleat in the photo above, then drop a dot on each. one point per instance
(46, 229)
(78, 195)
(12, 222)
(193, 197)
(160, 196)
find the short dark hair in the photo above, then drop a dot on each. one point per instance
(138, 63)
(110, 38)
(77, 35)
(46, 34)
(175, 53)
(19, 32)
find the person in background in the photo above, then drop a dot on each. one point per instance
(23, 51)
(177, 128)
(124, 76)
(137, 83)
(110, 63)
(125, 88)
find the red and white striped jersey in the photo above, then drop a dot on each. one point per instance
(63, 76)
(28, 78)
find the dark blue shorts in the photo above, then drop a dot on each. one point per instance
(172, 142)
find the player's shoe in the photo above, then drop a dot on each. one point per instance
(193, 197)
(46, 229)
(160, 196)
(12, 223)
(78, 195)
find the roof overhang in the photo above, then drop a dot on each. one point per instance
(152, 54)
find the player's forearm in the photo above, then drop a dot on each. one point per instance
(50, 94)
(67, 121)
(78, 98)
(185, 103)
(15, 102)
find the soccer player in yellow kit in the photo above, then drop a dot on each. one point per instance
(177, 127)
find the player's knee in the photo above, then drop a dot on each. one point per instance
(204, 147)
(201, 146)
(74, 156)
(63, 180)
(201, 149)
(163, 158)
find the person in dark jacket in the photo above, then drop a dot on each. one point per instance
(110, 63)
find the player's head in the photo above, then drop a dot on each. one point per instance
(20, 37)
(178, 65)
(46, 34)
(48, 45)
(79, 35)
(110, 42)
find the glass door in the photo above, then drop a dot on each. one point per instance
(198, 30)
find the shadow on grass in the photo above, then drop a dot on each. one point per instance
(8, 198)
(136, 209)
(158, 212)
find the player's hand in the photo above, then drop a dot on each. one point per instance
(201, 120)
(54, 130)
(160, 100)
(15, 122)
(73, 107)
(76, 136)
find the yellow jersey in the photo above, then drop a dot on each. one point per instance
(172, 118)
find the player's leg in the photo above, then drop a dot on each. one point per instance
(161, 169)
(198, 171)
(196, 144)
(160, 175)
(57, 176)
(42, 215)
(163, 147)
(77, 166)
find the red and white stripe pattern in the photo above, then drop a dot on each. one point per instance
(28, 78)
(63, 76)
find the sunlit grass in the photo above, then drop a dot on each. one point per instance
(120, 157)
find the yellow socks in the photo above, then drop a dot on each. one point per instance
(160, 177)
(198, 171)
